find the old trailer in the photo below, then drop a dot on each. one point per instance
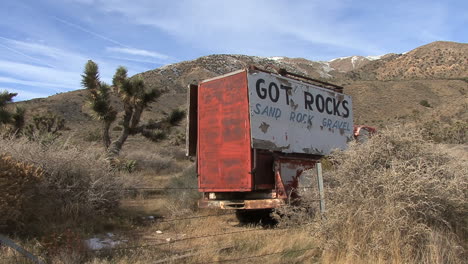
(255, 132)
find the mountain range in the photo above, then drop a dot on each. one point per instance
(384, 88)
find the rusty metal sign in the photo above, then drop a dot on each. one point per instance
(291, 116)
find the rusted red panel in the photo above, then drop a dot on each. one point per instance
(224, 153)
(287, 173)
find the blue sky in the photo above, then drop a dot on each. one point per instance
(44, 44)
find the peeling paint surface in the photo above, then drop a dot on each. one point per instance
(291, 116)
(224, 154)
(264, 127)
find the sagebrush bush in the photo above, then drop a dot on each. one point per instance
(440, 132)
(446, 124)
(18, 181)
(396, 198)
(76, 185)
(155, 162)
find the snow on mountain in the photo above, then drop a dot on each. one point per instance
(376, 57)
(276, 58)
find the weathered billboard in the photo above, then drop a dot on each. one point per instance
(291, 116)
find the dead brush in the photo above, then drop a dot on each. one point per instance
(183, 193)
(158, 163)
(17, 185)
(397, 198)
(75, 185)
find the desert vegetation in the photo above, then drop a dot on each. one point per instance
(399, 197)
(12, 121)
(132, 93)
(135, 98)
(45, 187)
(395, 199)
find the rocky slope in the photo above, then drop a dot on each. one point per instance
(437, 60)
(383, 88)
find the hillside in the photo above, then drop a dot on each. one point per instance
(383, 88)
(437, 60)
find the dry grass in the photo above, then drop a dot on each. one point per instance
(18, 182)
(249, 244)
(446, 124)
(384, 206)
(183, 193)
(155, 162)
(76, 184)
(395, 199)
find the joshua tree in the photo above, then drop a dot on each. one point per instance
(131, 92)
(14, 119)
(99, 99)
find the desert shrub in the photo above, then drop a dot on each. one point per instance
(12, 121)
(155, 135)
(174, 152)
(155, 162)
(63, 245)
(396, 198)
(44, 128)
(93, 135)
(175, 116)
(117, 128)
(445, 132)
(76, 185)
(178, 138)
(183, 192)
(18, 182)
(126, 165)
(425, 103)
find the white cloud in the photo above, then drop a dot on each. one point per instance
(101, 36)
(123, 47)
(60, 78)
(264, 27)
(58, 69)
(138, 52)
(33, 83)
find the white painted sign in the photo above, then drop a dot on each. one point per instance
(295, 117)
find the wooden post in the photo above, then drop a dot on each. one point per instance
(320, 187)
